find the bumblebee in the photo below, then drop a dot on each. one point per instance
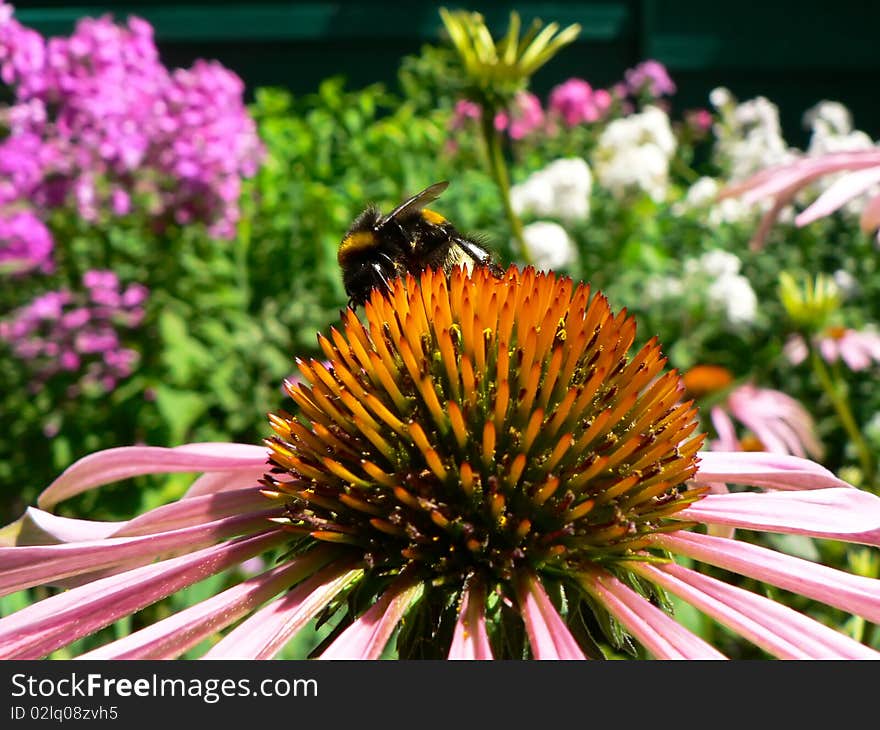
(411, 238)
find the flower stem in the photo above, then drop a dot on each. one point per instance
(498, 170)
(845, 415)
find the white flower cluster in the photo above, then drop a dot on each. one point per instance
(634, 153)
(714, 277)
(560, 190)
(749, 136)
(550, 247)
(701, 197)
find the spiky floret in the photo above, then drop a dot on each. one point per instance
(476, 425)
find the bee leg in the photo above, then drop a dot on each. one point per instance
(381, 274)
(480, 255)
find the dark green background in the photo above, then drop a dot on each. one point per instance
(793, 53)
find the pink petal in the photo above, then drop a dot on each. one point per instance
(764, 469)
(172, 636)
(549, 637)
(36, 527)
(660, 634)
(818, 512)
(850, 593)
(112, 465)
(841, 191)
(776, 628)
(727, 440)
(222, 481)
(23, 567)
(471, 641)
(367, 636)
(195, 511)
(59, 620)
(265, 633)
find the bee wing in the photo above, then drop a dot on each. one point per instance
(416, 202)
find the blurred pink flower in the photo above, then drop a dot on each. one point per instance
(858, 349)
(776, 422)
(650, 77)
(577, 102)
(780, 184)
(524, 117)
(465, 112)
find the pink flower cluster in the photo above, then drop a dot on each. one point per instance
(576, 102)
(77, 333)
(97, 118)
(25, 243)
(651, 78)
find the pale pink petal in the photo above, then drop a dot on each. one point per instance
(549, 637)
(59, 620)
(727, 440)
(265, 633)
(112, 465)
(764, 469)
(828, 348)
(367, 636)
(870, 218)
(795, 350)
(853, 354)
(170, 637)
(471, 641)
(23, 567)
(659, 633)
(795, 175)
(36, 527)
(817, 512)
(776, 628)
(194, 511)
(838, 193)
(850, 593)
(223, 481)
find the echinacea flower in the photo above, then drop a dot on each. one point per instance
(484, 461)
(783, 182)
(773, 420)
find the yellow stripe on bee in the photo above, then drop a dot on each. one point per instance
(433, 218)
(356, 241)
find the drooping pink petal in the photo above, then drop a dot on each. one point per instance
(265, 633)
(36, 527)
(776, 628)
(838, 193)
(59, 620)
(795, 175)
(367, 636)
(816, 512)
(195, 511)
(23, 567)
(764, 469)
(850, 593)
(727, 440)
(170, 637)
(471, 640)
(549, 637)
(659, 633)
(112, 465)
